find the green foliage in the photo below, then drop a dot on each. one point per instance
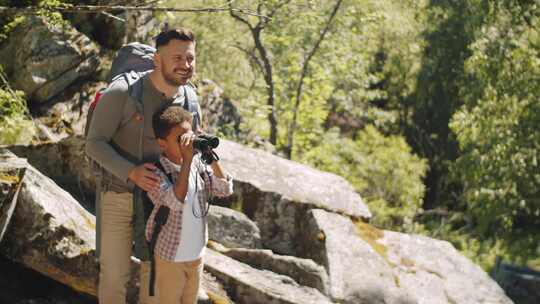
(497, 128)
(381, 168)
(9, 22)
(16, 127)
(376, 69)
(7, 28)
(459, 229)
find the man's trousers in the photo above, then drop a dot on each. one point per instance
(116, 248)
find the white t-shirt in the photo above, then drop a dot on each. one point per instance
(194, 228)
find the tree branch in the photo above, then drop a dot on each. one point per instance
(300, 87)
(266, 69)
(273, 11)
(252, 56)
(114, 17)
(263, 22)
(92, 9)
(232, 12)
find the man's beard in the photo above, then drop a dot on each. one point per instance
(172, 80)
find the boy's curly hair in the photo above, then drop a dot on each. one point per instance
(167, 118)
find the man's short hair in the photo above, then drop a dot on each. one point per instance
(165, 36)
(167, 118)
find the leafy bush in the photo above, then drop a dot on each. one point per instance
(381, 168)
(16, 126)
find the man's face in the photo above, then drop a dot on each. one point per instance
(176, 61)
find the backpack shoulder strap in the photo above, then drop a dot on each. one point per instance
(135, 84)
(160, 219)
(191, 104)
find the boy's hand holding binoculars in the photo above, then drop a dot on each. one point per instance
(185, 143)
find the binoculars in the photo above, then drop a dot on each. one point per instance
(204, 142)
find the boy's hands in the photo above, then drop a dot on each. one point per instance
(185, 143)
(145, 177)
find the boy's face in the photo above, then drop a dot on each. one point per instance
(170, 146)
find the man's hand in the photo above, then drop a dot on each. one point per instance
(144, 177)
(185, 144)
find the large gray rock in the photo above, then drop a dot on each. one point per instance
(232, 228)
(438, 273)
(276, 193)
(357, 272)
(220, 115)
(65, 115)
(304, 271)
(42, 59)
(51, 233)
(10, 186)
(112, 33)
(366, 265)
(253, 286)
(64, 162)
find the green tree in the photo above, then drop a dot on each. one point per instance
(497, 128)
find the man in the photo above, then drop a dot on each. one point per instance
(121, 139)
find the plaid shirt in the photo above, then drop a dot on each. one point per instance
(207, 184)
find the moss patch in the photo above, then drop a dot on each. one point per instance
(217, 299)
(370, 235)
(10, 179)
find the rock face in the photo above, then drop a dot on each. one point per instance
(50, 232)
(436, 271)
(112, 33)
(10, 182)
(43, 59)
(232, 228)
(304, 271)
(253, 286)
(65, 115)
(370, 266)
(220, 115)
(65, 162)
(276, 193)
(357, 273)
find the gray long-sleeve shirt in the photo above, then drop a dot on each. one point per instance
(114, 133)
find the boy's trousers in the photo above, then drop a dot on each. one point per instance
(178, 282)
(116, 250)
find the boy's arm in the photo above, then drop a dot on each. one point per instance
(181, 185)
(185, 145)
(220, 181)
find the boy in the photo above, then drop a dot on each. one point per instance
(184, 188)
